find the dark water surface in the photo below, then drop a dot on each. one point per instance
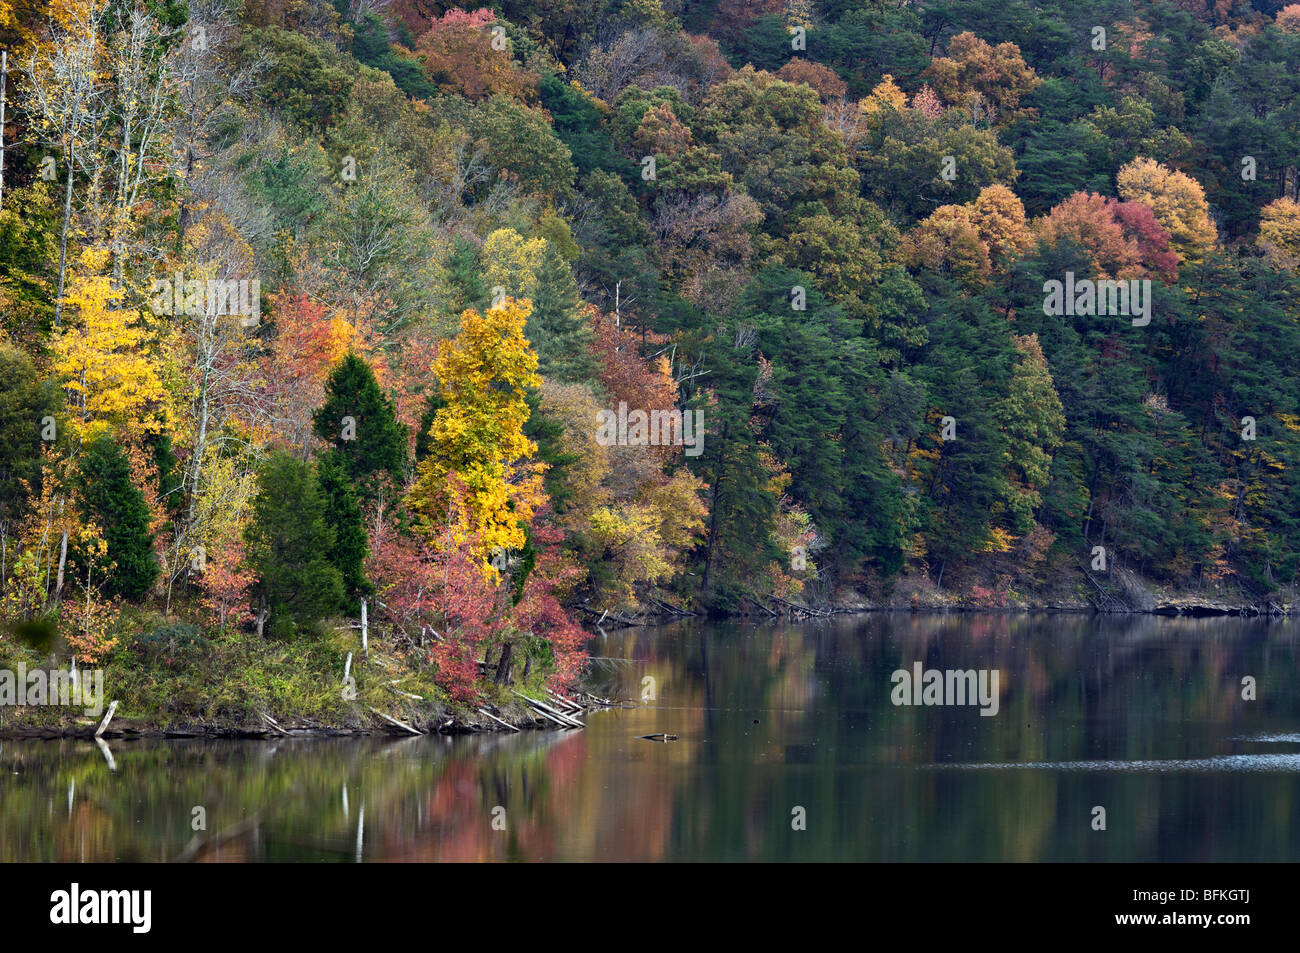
(1143, 717)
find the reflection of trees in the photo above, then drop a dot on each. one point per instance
(877, 781)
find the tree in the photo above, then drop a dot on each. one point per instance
(477, 433)
(1122, 239)
(342, 514)
(977, 76)
(1279, 226)
(65, 84)
(28, 406)
(521, 142)
(359, 423)
(289, 541)
(1033, 423)
(458, 56)
(115, 505)
(558, 327)
(773, 140)
(1177, 200)
(510, 262)
(102, 357)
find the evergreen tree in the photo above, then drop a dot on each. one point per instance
(343, 514)
(360, 423)
(25, 402)
(116, 505)
(557, 328)
(288, 542)
(465, 277)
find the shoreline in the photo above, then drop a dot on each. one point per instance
(525, 715)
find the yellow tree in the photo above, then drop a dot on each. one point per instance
(987, 80)
(511, 262)
(1279, 230)
(1177, 200)
(477, 435)
(103, 361)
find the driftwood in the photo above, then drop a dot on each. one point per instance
(108, 716)
(272, 722)
(571, 705)
(802, 610)
(555, 714)
(665, 606)
(394, 721)
(615, 616)
(483, 711)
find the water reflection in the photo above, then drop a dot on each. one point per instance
(1143, 716)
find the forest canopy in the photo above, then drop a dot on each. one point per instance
(304, 303)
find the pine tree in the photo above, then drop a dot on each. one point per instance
(343, 514)
(557, 329)
(25, 402)
(360, 423)
(288, 545)
(115, 504)
(465, 278)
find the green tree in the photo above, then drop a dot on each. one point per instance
(343, 514)
(557, 327)
(112, 502)
(359, 422)
(289, 541)
(25, 402)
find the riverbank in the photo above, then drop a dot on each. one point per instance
(177, 681)
(174, 682)
(1116, 592)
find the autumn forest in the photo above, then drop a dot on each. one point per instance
(502, 322)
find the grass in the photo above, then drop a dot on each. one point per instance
(168, 674)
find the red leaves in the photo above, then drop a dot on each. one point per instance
(438, 591)
(1123, 239)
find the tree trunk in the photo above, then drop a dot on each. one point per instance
(4, 75)
(503, 664)
(63, 245)
(63, 560)
(713, 515)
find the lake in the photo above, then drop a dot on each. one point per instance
(790, 747)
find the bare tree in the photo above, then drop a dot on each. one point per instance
(142, 93)
(66, 100)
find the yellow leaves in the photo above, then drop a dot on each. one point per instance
(999, 541)
(102, 358)
(1177, 200)
(477, 435)
(1279, 231)
(511, 262)
(885, 95)
(1290, 421)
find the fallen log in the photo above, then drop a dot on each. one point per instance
(394, 721)
(483, 711)
(108, 716)
(555, 713)
(272, 722)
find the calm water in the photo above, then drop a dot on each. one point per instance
(1143, 717)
